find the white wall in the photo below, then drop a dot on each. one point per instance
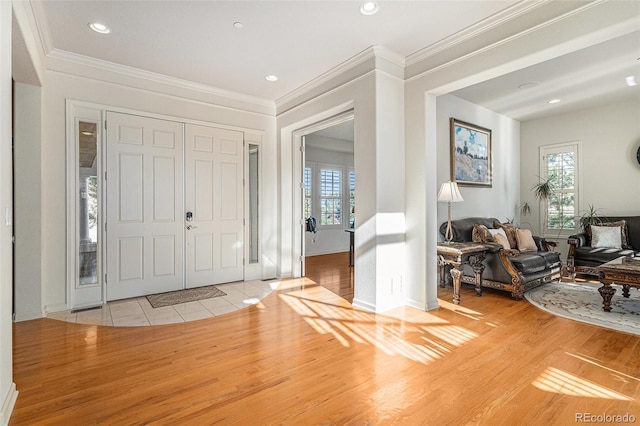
(28, 206)
(8, 392)
(327, 241)
(502, 198)
(57, 88)
(609, 173)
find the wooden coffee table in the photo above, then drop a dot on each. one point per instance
(624, 271)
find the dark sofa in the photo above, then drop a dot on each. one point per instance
(508, 270)
(585, 259)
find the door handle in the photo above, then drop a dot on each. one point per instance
(189, 227)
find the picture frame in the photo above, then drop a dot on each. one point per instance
(471, 160)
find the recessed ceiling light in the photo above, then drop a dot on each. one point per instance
(631, 81)
(528, 85)
(99, 28)
(554, 101)
(238, 25)
(369, 8)
(271, 78)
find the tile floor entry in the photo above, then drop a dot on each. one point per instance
(137, 311)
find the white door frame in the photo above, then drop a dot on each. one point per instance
(79, 296)
(298, 181)
(73, 108)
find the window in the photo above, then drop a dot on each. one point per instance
(327, 188)
(330, 196)
(308, 179)
(560, 166)
(352, 198)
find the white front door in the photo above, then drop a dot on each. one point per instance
(214, 197)
(145, 221)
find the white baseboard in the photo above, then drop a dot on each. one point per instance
(8, 404)
(55, 308)
(29, 316)
(421, 305)
(364, 305)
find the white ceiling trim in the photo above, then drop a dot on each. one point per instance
(25, 18)
(473, 31)
(76, 59)
(607, 33)
(370, 53)
(42, 26)
(52, 55)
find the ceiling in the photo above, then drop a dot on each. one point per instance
(196, 41)
(582, 79)
(297, 41)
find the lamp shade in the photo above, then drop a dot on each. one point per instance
(449, 192)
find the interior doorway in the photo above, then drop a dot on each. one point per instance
(329, 189)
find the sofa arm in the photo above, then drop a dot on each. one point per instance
(543, 244)
(517, 280)
(577, 240)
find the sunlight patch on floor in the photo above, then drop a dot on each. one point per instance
(558, 381)
(461, 310)
(616, 373)
(424, 338)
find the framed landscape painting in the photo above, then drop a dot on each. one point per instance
(470, 154)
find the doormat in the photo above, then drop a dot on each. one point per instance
(183, 296)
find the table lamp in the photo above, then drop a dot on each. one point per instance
(449, 192)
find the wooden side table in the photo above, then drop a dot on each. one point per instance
(456, 255)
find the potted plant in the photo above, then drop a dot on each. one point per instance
(543, 189)
(590, 217)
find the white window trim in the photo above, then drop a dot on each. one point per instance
(310, 165)
(545, 150)
(316, 195)
(350, 169)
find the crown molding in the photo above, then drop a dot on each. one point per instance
(389, 55)
(474, 30)
(25, 19)
(371, 54)
(123, 70)
(354, 61)
(42, 26)
(618, 29)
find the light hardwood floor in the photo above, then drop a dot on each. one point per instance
(305, 356)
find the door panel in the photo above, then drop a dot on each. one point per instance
(214, 188)
(144, 206)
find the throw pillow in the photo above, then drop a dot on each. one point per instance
(624, 232)
(606, 237)
(525, 240)
(481, 234)
(502, 240)
(510, 232)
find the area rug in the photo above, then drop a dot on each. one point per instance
(582, 302)
(183, 296)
